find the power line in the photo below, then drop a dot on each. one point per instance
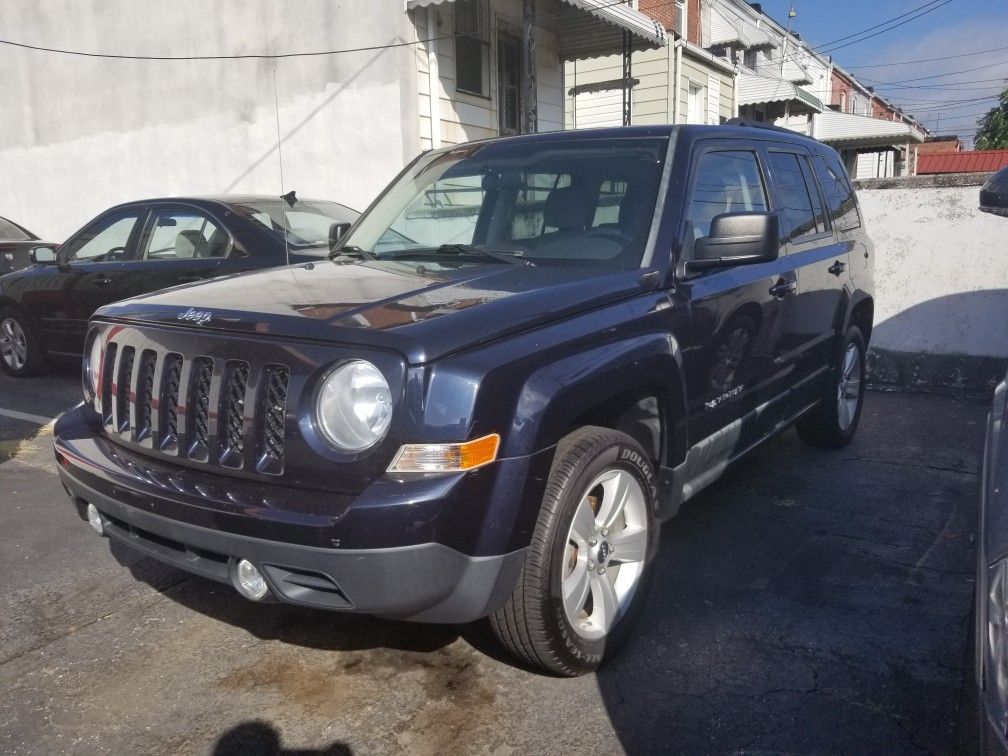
(931, 60)
(267, 56)
(833, 49)
(939, 76)
(876, 26)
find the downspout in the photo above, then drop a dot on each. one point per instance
(433, 79)
(735, 92)
(678, 80)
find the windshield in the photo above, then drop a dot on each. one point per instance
(306, 223)
(586, 202)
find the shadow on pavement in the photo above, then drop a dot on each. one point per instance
(257, 738)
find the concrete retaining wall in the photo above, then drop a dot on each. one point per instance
(941, 314)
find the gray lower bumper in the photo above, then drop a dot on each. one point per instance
(425, 583)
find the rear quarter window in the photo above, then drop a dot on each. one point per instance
(838, 192)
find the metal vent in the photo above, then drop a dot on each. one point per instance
(199, 408)
(233, 414)
(123, 385)
(273, 408)
(145, 394)
(171, 377)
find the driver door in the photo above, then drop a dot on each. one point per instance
(91, 275)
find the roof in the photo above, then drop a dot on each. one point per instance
(972, 161)
(850, 130)
(755, 89)
(594, 28)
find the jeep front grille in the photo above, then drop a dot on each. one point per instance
(226, 412)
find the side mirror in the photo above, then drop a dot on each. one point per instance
(42, 255)
(994, 194)
(737, 239)
(336, 232)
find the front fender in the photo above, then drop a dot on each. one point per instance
(555, 395)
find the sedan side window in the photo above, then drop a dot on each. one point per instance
(726, 182)
(104, 241)
(177, 234)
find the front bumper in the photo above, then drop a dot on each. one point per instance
(310, 557)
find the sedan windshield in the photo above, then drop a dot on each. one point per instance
(306, 223)
(586, 202)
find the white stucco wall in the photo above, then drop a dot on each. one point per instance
(80, 134)
(941, 271)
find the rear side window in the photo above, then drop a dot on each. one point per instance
(184, 235)
(10, 232)
(798, 218)
(726, 182)
(839, 194)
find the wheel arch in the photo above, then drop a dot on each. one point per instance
(862, 315)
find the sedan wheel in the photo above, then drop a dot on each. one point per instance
(13, 344)
(849, 390)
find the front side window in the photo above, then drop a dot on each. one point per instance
(571, 202)
(184, 235)
(472, 47)
(726, 182)
(796, 215)
(103, 241)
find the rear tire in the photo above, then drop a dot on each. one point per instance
(588, 569)
(834, 421)
(21, 353)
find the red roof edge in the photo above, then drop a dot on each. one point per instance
(972, 161)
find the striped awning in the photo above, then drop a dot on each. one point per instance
(726, 28)
(755, 89)
(594, 28)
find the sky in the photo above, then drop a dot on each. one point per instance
(959, 26)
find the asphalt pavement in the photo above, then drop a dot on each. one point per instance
(809, 602)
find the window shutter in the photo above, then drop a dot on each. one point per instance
(713, 99)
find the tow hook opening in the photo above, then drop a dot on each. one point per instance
(248, 580)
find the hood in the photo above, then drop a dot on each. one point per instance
(424, 310)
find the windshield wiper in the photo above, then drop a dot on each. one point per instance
(464, 249)
(350, 250)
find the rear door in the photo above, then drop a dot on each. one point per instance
(179, 244)
(88, 275)
(732, 363)
(820, 262)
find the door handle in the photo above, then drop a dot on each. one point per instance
(837, 268)
(782, 288)
(104, 281)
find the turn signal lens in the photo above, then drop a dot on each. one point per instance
(422, 458)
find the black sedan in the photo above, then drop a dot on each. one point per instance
(15, 244)
(140, 247)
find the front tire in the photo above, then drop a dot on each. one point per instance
(21, 352)
(589, 566)
(834, 421)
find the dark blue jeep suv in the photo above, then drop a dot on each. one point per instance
(525, 356)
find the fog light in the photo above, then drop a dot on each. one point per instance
(94, 518)
(249, 581)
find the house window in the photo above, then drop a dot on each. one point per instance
(749, 59)
(681, 18)
(696, 104)
(472, 47)
(509, 85)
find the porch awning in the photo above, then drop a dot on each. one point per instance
(755, 90)
(594, 28)
(728, 29)
(862, 132)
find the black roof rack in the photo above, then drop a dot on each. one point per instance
(758, 125)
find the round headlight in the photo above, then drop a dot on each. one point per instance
(92, 369)
(354, 406)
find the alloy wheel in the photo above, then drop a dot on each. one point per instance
(849, 390)
(13, 344)
(604, 559)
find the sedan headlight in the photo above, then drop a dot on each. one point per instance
(353, 410)
(91, 369)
